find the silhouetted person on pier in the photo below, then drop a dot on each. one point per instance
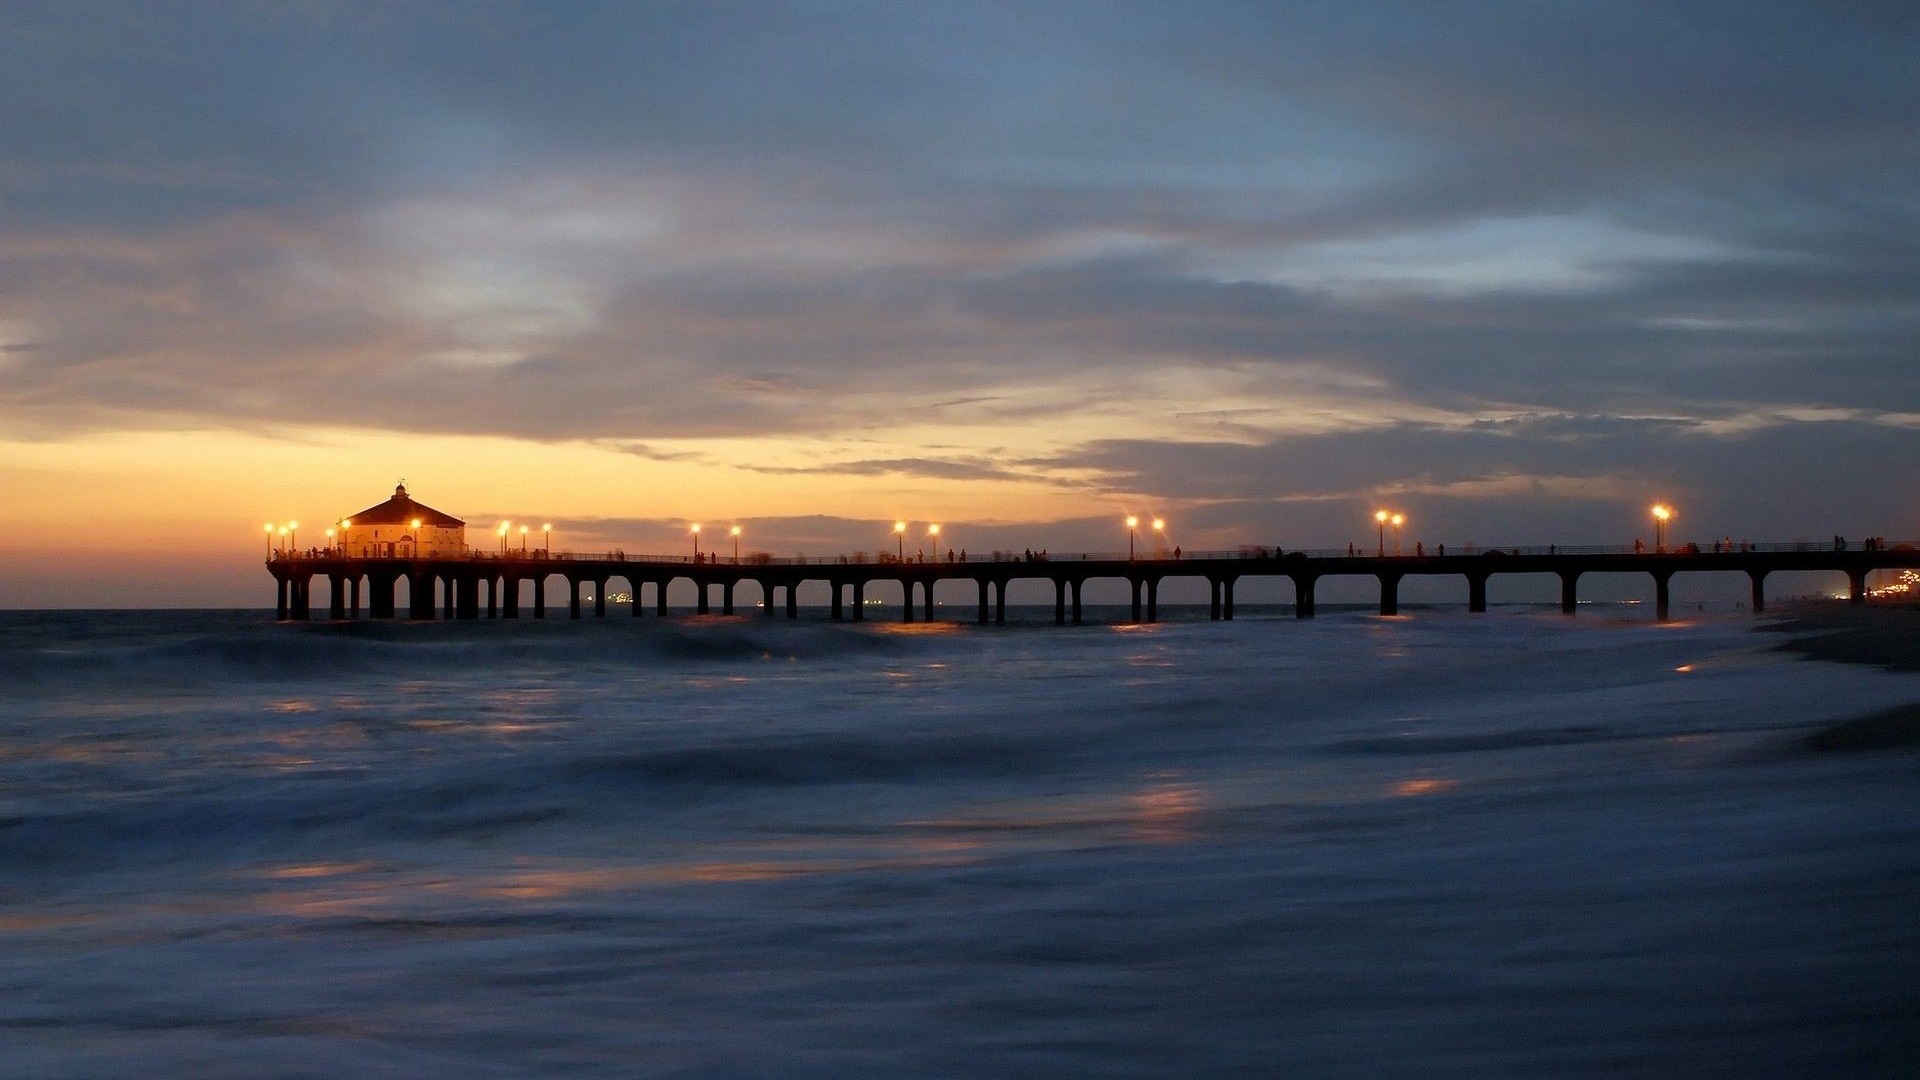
(949, 554)
(1639, 546)
(963, 554)
(1443, 550)
(1419, 549)
(1176, 551)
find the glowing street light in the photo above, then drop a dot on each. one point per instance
(293, 535)
(329, 540)
(933, 532)
(735, 533)
(1159, 534)
(503, 536)
(285, 548)
(1662, 513)
(1133, 523)
(523, 539)
(546, 540)
(269, 539)
(900, 540)
(695, 530)
(1396, 521)
(1380, 518)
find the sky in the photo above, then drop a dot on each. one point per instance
(1516, 270)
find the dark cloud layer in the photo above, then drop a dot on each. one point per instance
(787, 220)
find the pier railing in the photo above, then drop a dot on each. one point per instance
(1158, 556)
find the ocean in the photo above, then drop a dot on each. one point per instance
(1438, 845)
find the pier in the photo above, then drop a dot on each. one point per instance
(475, 585)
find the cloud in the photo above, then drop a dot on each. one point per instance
(943, 469)
(652, 453)
(1227, 251)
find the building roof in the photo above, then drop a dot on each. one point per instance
(402, 510)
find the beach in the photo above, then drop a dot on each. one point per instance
(1880, 635)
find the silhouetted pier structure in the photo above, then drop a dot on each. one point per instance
(475, 585)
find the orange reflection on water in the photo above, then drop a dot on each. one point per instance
(919, 629)
(1165, 814)
(317, 870)
(20, 924)
(1162, 813)
(555, 882)
(1423, 786)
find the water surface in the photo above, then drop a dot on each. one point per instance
(1432, 846)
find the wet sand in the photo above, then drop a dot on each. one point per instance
(1884, 635)
(1881, 635)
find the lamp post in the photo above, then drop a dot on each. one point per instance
(1159, 535)
(293, 535)
(695, 530)
(503, 536)
(546, 540)
(735, 533)
(523, 539)
(1396, 521)
(285, 548)
(345, 524)
(933, 532)
(1380, 518)
(1133, 523)
(329, 541)
(900, 540)
(1661, 514)
(269, 539)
